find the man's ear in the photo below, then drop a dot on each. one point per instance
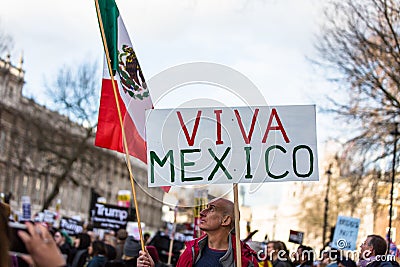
(373, 252)
(226, 220)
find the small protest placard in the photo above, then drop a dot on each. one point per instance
(71, 226)
(346, 232)
(106, 216)
(26, 208)
(49, 217)
(296, 237)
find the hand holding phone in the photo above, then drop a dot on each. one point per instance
(41, 246)
(17, 246)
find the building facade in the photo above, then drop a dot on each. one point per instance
(44, 153)
(383, 210)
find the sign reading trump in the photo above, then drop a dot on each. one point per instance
(190, 146)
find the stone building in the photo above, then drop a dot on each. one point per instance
(41, 149)
(381, 223)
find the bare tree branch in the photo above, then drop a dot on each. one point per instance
(75, 94)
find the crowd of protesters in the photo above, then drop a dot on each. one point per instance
(48, 247)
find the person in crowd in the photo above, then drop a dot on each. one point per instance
(131, 251)
(161, 242)
(152, 250)
(43, 250)
(304, 256)
(217, 246)
(373, 253)
(79, 252)
(323, 260)
(38, 242)
(277, 254)
(110, 252)
(93, 235)
(117, 263)
(122, 235)
(97, 250)
(346, 262)
(62, 238)
(334, 255)
(110, 242)
(5, 260)
(286, 254)
(146, 238)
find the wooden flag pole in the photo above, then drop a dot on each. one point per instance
(237, 225)
(125, 143)
(171, 243)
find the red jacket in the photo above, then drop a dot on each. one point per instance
(194, 247)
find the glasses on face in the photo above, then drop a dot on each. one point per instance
(57, 236)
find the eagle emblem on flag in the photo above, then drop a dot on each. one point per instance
(131, 76)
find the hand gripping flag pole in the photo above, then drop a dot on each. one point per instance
(125, 144)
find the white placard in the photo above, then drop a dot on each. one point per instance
(225, 145)
(346, 232)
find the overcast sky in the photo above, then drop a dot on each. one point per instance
(266, 40)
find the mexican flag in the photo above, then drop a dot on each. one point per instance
(133, 94)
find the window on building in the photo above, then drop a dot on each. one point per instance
(25, 181)
(24, 185)
(2, 141)
(395, 192)
(11, 91)
(10, 180)
(37, 189)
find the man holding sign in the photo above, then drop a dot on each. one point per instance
(217, 247)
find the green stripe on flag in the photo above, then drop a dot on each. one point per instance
(109, 15)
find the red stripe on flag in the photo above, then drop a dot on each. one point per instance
(109, 134)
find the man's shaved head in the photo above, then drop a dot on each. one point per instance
(227, 207)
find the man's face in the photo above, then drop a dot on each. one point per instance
(58, 238)
(77, 242)
(212, 216)
(366, 249)
(300, 256)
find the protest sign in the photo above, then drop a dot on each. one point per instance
(124, 198)
(106, 216)
(200, 203)
(296, 237)
(26, 208)
(49, 217)
(133, 229)
(71, 226)
(189, 146)
(346, 232)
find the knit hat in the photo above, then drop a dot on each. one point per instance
(131, 247)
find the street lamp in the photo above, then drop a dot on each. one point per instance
(328, 185)
(395, 133)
